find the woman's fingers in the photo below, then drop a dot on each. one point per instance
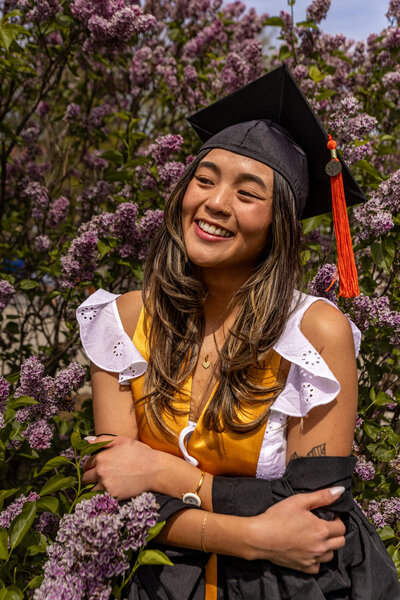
(90, 476)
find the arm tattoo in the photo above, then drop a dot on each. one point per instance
(294, 456)
(317, 450)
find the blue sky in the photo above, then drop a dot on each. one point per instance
(355, 18)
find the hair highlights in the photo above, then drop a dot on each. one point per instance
(174, 298)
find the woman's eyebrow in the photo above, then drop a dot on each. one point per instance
(242, 177)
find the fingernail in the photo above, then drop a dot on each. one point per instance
(337, 490)
(90, 438)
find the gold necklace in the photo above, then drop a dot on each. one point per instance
(206, 363)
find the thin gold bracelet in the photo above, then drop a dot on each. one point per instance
(203, 530)
(200, 482)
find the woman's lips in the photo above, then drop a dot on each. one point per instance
(208, 236)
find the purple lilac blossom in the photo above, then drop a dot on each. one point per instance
(43, 10)
(353, 155)
(125, 229)
(170, 173)
(359, 422)
(38, 195)
(91, 545)
(385, 512)
(80, 263)
(364, 468)
(14, 509)
(43, 108)
(58, 211)
(48, 524)
(39, 434)
(163, 147)
(375, 217)
(42, 243)
(317, 10)
(7, 292)
(111, 23)
(72, 112)
(322, 281)
(394, 10)
(53, 394)
(367, 311)
(395, 468)
(149, 224)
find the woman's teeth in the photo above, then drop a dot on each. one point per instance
(214, 230)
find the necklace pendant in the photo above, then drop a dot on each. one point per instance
(206, 363)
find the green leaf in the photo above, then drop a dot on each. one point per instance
(103, 248)
(305, 256)
(380, 258)
(56, 483)
(315, 74)
(22, 523)
(389, 250)
(48, 504)
(53, 463)
(154, 531)
(90, 448)
(63, 20)
(386, 533)
(382, 399)
(372, 431)
(284, 53)
(152, 557)
(364, 165)
(325, 95)
(12, 593)
(13, 377)
(113, 156)
(3, 544)
(28, 284)
(274, 22)
(35, 582)
(312, 223)
(75, 439)
(16, 403)
(307, 24)
(384, 454)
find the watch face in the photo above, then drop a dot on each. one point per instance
(191, 498)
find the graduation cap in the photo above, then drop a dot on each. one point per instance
(271, 121)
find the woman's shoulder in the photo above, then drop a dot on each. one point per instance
(324, 325)
(129, 308)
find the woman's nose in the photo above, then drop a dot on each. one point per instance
(220, 200)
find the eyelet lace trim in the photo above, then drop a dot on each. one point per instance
(104, 339)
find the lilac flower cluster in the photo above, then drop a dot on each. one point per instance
(395, 468)
(318, 10)
(7, 292)
(80, 262)
(48, 524)
(58, 211)
(39, 434)
(375, 217)
(242, 65)
(53, 394)
(111, 23)
(42, 243)
(4, 392)
(385, 512)
(149, 224)
(14, 509)
(367, 311)
(364, 468)
(163, 147)
(39, 198)
(394, 10)
(92, 544)
(322, 281)
(43, 10)
(72, 112)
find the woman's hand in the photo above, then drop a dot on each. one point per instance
(125, 468)
(290, 535)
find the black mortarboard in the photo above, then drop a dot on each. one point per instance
(270, 120)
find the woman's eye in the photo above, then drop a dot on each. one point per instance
(248, 194)
(203, 180)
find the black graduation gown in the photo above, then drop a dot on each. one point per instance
(361, 570)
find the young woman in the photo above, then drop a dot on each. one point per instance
(233, 376)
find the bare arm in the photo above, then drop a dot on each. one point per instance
(328, 430)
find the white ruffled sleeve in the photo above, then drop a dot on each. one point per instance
(104, 339)
(310, 383)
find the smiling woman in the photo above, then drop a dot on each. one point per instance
(242, 391)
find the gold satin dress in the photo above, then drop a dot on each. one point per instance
(226, 453)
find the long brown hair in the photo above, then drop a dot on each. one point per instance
(174, 298)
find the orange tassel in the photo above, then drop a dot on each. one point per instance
(348, 279)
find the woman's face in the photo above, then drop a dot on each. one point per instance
(227, 211)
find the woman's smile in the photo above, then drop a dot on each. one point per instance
(227, 211)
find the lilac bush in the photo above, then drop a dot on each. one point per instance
(93, 106)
